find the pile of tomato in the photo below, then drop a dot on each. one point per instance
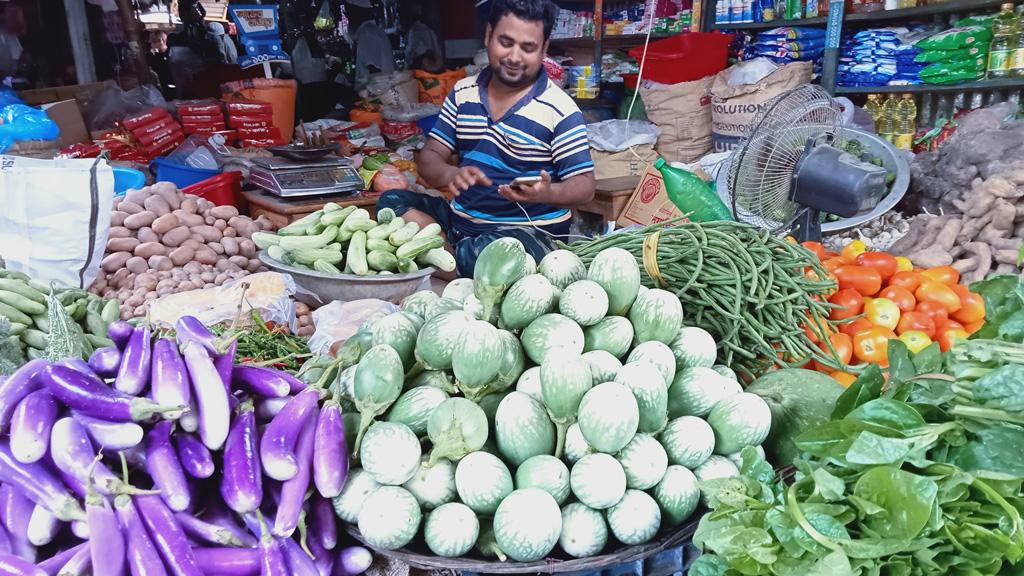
(881, 297)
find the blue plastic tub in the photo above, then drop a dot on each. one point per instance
(179, 174)
(126, 179)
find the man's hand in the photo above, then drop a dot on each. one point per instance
(465, 178)
(539, 193)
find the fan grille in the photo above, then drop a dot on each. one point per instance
(761, 168)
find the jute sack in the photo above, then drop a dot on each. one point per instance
(683, 112)
(734, 107)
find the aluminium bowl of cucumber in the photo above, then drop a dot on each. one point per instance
(328, 287)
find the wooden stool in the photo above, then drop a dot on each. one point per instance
(610, 197)
(282, 211)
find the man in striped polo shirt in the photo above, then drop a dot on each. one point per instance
(508, 122)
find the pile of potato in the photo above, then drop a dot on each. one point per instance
(165, 242)
(305, 317)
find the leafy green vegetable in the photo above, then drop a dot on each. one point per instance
(11, 356)
(1004, 308)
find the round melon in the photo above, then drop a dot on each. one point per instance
(677, 494)
(598, 481)
(482, 481)
(439, 337)
(451, 530)
(695, 391)
(551, 335)
(528, 299)
(740, 421)
(694, 347)
(635, 519)
(527, 524)
(603, 366)
(358, 486)
(644, 461)
(529, 383)
(585, 302)
(646, 383)
(584, 531)
(656, 316)
(522, 428)
(434, 485)
(688, 441)
(609, 417)
(562, 268)
(390, 518)
(657, 353)
(618, 273)
(547, 473)
(613, 334)
(390, 452)
(729, 372)
(576, 445)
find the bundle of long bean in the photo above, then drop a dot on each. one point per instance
(753, 291)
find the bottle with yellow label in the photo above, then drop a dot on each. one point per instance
(1004, 43)
(1017, 63)
(906, 123)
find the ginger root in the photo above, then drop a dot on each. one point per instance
(937, 252)
(978, 265)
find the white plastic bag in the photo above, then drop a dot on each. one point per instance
(269, 293)
(619, 135)
(55, 218)
(338, 321)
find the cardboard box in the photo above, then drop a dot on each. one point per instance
(68, 117)
(609, 165)
(649, 203)
(73, 92)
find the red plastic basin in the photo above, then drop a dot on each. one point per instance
(686, 57)
(222, 189)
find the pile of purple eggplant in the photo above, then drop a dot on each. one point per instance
(161, 456)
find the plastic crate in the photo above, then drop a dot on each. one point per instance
(671, 562)
(222, 189)
(686, 57)
(179, 174)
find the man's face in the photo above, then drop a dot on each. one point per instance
(515, 50)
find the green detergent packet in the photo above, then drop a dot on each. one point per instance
(957, 38)
(952, 55)
(985, 21)
(954, 72)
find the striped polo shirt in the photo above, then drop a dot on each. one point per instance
(543, 131)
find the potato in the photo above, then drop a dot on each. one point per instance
(134, 302)
(224, 212)
(230, 245)
(149, 249)
(230, 232)
(220, 225)
(197, 238)
(130, 207)
(193, 267)
(190, 205)
(220, 278)
(301, 309)
(177, 237)
(137, 265)
(119, 277)
(188, 219)
(246, 248)
(182, 255)
(138, 196)
(113, 262)
(207, 276)
(163, 275)
(205, 206)
(254, 265)
(146, 280)
(139, 310)
(165, 224)
(157, 205)
(160, 263)
(217, 247)
(206, 255)
(240, 261)
(119, 232)
(208, 233)
(147, 235)
(190, 243)
(177, 273)
(186, 286)
(122, 244)
(244, 226)
(169, 193)
(222, 265)
(117, 217)
(139, 220)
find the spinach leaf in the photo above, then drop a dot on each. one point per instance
(1004, 299)
(824, 440)
(890, 415)
(865, 388)
(828, 486)
(835, 564)
(907, 498)
(992, 451)
(871, 449)
(901, 368)
(709, 565)
(928, 360)
(1002, 389)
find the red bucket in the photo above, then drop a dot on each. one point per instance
(222, 189)
(686, 57)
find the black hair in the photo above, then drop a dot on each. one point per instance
(543, 11)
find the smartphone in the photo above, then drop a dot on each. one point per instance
(524, 181)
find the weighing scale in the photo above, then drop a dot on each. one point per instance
(294, 179)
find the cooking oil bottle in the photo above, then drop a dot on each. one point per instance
(874, 107)
(1004, 43)
(906, 122)
(1017, 65)
(887, 120)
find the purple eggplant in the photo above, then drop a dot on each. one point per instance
(325, 524)
(80, 529)
(30, 426)
(169, 377)
(142, 556)
(115, 436)
(79, 565)
(165, 469)
(39, 484)
(272, 562)
(270, 407)
(265, 382)
(5, 541)
(17, 511)
(168, 536)
(353, 561)
(219, 515)
(330, 454)
(278, 443)
(211, 396)
(293, 492)
(136, 362)
(202, 531)
(52, 565)
(189, 421)
(76, 486)
(77, 364)
(120, 332)
(191, 329)
(225, 364)
(194, 457)
(105, 362)
(42, 526)
(323, 558)
(73, 454)
(299, 563)
(106, 542)
(229, 561)
(242, 485)
(20, 384)
(11, 565)
(92, 397)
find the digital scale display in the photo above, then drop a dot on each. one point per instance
(289, 178)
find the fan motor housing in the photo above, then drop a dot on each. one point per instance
(836, 182)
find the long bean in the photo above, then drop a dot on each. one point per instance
(754, 292)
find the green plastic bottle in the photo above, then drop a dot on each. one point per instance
(691, 195)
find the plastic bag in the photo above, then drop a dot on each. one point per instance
(269, 293)
(952, 72)
(929, 56)
(8, 96)
(957, 38)
(20, 122)
(103, 108)
(338, 321)
(611, 135)
(751, 71)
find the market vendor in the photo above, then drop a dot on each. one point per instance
(508, 122)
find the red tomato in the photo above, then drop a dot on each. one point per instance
(844, 378)
(936, 311)
(832, 263)
(882, 312)
(885, 263)
(916, 321)
(949, 337)
(853, 249)
(901, 296)
(873, 345)
(812, 333)
(830, 254)
(933, 291)
(817, 248)
(948, 325)
(945, 274)
(867, 281)
(856, 327)
(915, 340)
(972, 306)
(908, 280)
(974, 326)
(851, 301)
(842, 345)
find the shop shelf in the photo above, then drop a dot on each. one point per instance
(951, 7)
(996, 84)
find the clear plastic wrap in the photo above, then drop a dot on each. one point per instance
(338, 321)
